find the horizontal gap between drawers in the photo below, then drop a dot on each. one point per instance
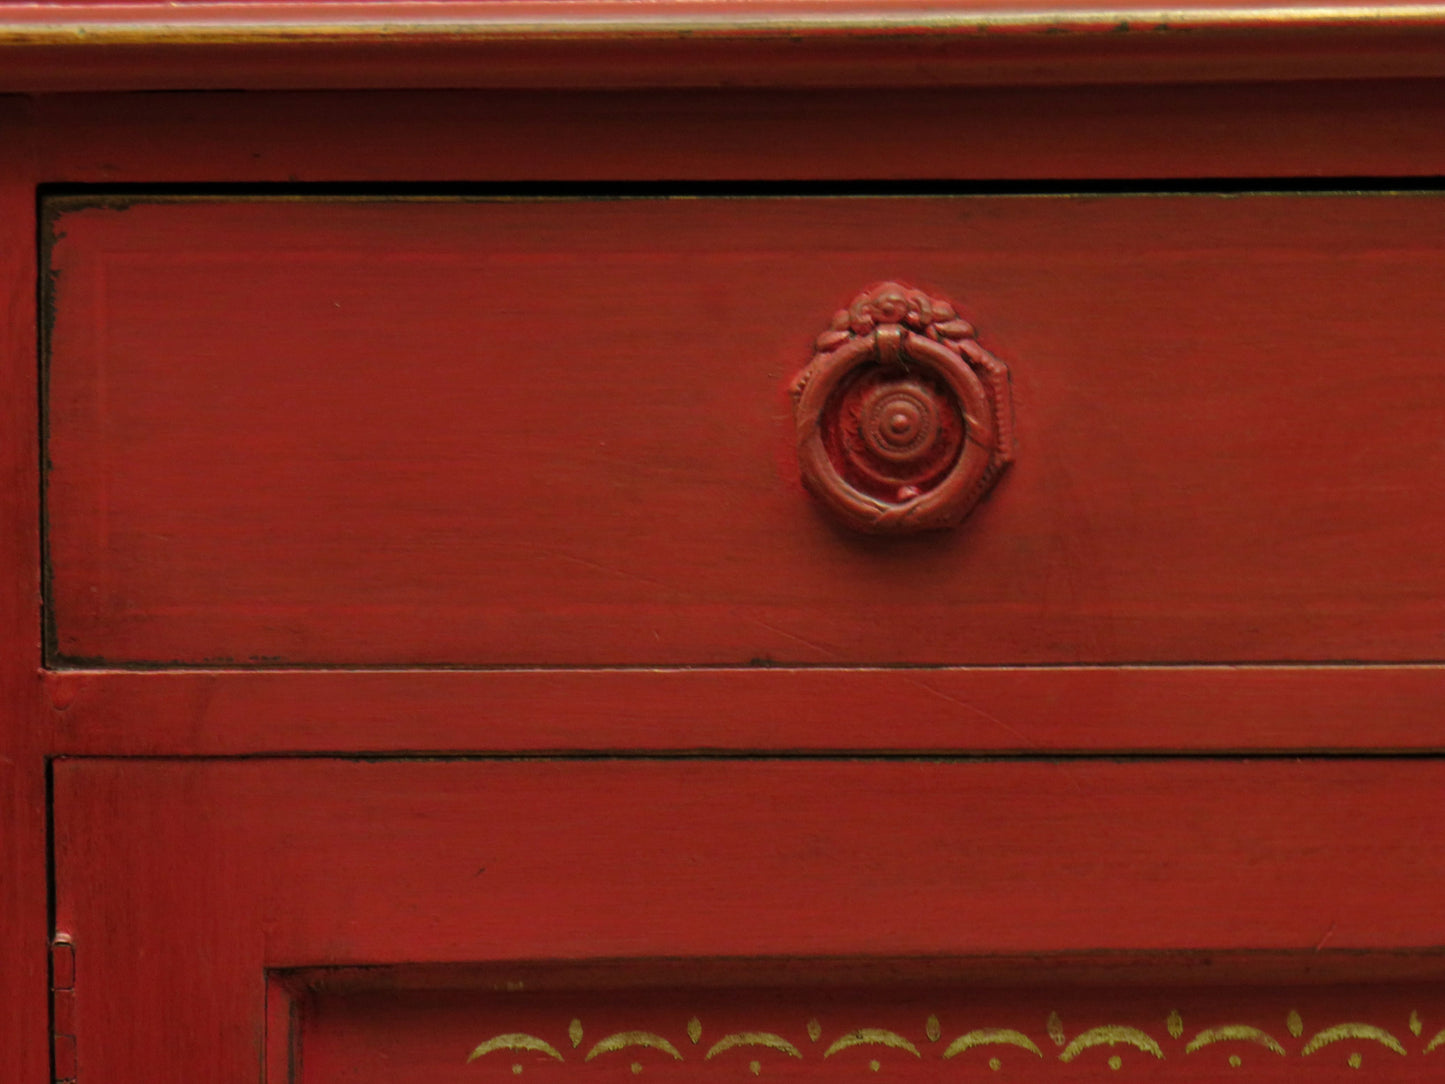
(81, 667)
(462, 190)
(912, 756)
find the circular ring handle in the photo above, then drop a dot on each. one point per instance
(904, 421)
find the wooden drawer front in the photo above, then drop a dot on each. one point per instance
(479, 432)
(181, 884)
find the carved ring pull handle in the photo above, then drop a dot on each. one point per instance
(904, 421)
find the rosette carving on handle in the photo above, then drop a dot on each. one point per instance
(904, 421)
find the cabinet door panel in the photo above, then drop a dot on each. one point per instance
(183, 885)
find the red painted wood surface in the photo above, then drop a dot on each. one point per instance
(24, 994)
(555, 432)
(1089, 709)
(1286, 131)
(103, 45)
(1386, 128)
(216, 872)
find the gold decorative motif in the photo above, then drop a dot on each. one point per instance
(517, 1042)
(1352, 1031)
(1109, 1035)
(752, 1038)
(872, 1037)
(984, 1036)
(1233, 1031)
(623, 1039)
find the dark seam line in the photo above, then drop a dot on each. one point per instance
(862, 188)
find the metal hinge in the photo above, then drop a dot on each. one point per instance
(62, 1009)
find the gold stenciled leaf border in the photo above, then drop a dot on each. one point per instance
(1352, 1039)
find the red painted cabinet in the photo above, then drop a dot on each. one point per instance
(465, 610)
(471, 919)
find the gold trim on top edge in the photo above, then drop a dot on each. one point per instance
(586, 20)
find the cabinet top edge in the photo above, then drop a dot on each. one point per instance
(273, 44)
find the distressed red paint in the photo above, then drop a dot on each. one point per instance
(220, 896)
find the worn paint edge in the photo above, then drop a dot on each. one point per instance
(94, 25)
